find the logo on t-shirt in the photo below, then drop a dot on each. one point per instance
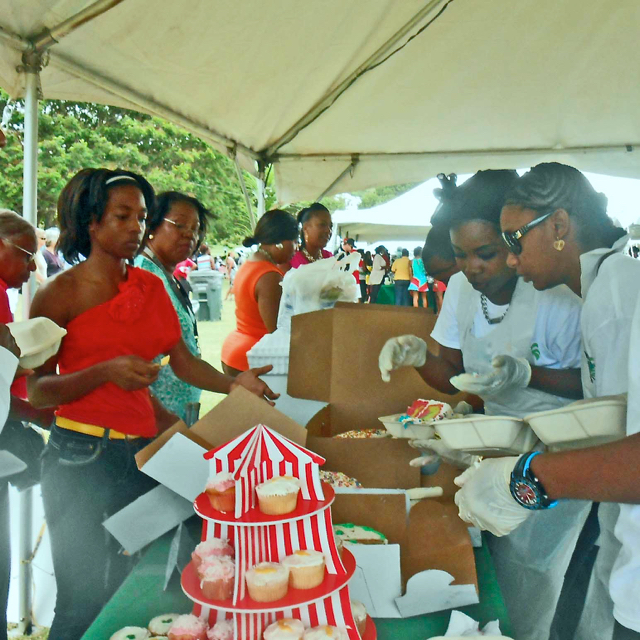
(535, 350)
(591, 364)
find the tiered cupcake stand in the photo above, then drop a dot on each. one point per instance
(256, 456)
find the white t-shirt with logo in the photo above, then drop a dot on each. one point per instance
(556, 337)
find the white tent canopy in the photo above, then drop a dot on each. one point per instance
(341, 96)
(406, 217)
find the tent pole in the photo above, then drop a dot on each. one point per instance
(260, 189)
(31, 69)
(245, 191)
(349, 170)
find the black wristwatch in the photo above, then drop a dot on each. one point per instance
(526, 489)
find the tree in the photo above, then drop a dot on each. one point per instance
(77, 135)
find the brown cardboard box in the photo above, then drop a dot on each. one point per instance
(334, 358)
(430, 536)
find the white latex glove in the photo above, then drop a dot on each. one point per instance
(403, 351)
(485, 500)
(508, 372)
(439, 450)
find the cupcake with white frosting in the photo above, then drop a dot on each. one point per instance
(217, 577)
(267, 581)
(279, 495)
(137, 633)
(285, 629)
(160, 625)
(325, 631)
(188, 627)
(359, 615)
(306, 568)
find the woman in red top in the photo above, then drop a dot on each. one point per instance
(257, 287)
(118, 318)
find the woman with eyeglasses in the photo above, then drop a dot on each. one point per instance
(119, 319)
(175, 227)
(489, 313)
(558, 231)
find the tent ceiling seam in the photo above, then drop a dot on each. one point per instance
(626, 147)
(373, 61)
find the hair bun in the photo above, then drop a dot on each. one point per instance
(249, 241)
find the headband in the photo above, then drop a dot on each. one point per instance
(121, 177)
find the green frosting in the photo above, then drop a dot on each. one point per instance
(348, 530)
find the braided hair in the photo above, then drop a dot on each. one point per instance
(550, 186)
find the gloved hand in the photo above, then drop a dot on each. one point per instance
(403, 351)
(485, 500)
(508, 372)
(433, 450)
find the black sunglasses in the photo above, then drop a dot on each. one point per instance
(512, 238)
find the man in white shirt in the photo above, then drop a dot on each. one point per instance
(9, 353)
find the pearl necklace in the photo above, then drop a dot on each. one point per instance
(485, 311)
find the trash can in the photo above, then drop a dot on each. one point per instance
(207, 290)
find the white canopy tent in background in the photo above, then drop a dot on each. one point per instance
(341, 96)
(406, 217)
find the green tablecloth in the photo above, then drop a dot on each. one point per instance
(386, 295)
(141, 598)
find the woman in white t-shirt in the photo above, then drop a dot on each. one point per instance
(557, 229)
(378, 270)
(489, 311)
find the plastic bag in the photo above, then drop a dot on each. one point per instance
(316, 286)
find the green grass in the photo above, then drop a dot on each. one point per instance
(212, 335)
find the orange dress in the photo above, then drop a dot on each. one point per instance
(249, 324)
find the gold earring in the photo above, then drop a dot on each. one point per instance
(558, 245)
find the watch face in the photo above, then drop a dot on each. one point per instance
(525, 494)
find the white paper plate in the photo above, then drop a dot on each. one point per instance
(407, 430)
(487, 435)
(582, 424)
(38, 339)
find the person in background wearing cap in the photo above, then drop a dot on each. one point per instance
(118, 319)
(493, 321)
(557, 230)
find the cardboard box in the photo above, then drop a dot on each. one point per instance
(412, 558)
(334, 359)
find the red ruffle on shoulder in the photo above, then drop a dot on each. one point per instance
(140, 320)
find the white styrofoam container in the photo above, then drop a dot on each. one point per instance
(582, 424)
(487, 435)
(273, 349)
(407, 430)
(38, 339)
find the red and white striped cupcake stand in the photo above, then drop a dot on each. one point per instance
(254, 457)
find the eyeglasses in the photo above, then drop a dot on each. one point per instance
(32, 256)
(512, 238)
(183, 228)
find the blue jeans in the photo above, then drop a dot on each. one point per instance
(84, 481)
(401, 289)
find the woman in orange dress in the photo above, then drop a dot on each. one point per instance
(257, 287)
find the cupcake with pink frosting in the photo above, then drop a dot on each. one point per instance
(221, 490)
(217, 577)
(188, 627)
(222, 630)
(210, 548)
